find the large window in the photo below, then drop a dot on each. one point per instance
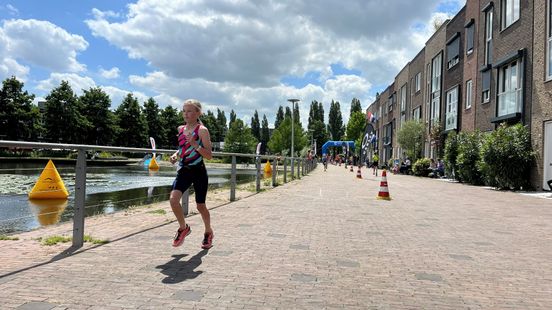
(403, 98)
(436, 68)
(453, 52)
(486, 86)
(510, 12)
(509, 88)
(489, 36)
(428, 89)
(417, 113)
(549, 37)
(469, 94)
(419, 81)
(470, 32)
(451, 111)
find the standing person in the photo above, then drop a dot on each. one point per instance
(375, 159)
(194, 144)
(325, 161)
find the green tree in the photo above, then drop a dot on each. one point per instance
(280, 142)
(320, 135)
(335, 121)
(411, 138)
(313, 114)
(152, 114)
(171, 119)
(265, 135)
(222, 125)
(469, 146)
(210, 121)
(451, 154)
(63, 120)
(279, 117)
(355, 106)
(256, 126)
(321, 112)
(19, 119)
(233, 118)
(355, 128)
(95, 105)
(296, 115)
(288, 113)
(239, 139)
(133, 124)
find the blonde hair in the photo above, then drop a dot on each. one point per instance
(193, 102)
(196, 104)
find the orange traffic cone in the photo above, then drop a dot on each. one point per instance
(359, 175)
(383, 193)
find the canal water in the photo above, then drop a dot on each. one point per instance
(108, 189)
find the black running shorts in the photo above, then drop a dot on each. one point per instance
(196, 175)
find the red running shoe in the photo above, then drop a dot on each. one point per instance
(207, 241)
(180, 235)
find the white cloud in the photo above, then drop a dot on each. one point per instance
(112, 73)
(12, 10)
(77, 82)
(9, 66)
(44, 44)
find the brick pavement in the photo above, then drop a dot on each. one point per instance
(321, 242)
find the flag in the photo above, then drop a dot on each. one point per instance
(370, 117)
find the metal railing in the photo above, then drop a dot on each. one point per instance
(303, 165)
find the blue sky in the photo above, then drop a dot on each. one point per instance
(246, 56)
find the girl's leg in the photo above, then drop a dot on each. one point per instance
(176, 207)
(206, 216)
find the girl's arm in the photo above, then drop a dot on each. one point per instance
(205, 151)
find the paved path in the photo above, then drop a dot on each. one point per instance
(321, 242)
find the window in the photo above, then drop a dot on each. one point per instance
(419, 81)
(453, 52)
(452, 104)
(417, 113)
(486, 86)
(380, 108)
(510, 12)
(436, 67)
(549, 36)
(509, 88)
(428, 89)
(403, 98)
(470, 30)
(469, 93)
(488, 36)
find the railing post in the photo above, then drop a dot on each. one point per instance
(303, 162)
(258, 178)
(274, 170)
(185, 202)
(233, 179)
(299, 168)
(285, 170)
(80, 195)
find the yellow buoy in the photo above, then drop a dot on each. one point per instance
(153, 164)
(268, 169)
(49, 184)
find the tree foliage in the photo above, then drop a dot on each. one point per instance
(280, 142)
(239, 139)
(63, 120)
(265, 135)
(411, 138)
(19, 119)
(152, 115)
(355, 106)
(335, 121)
(133, 123)
(222, 126)
(279, 117)
(232, 118)
(256, 126)
(171, 119)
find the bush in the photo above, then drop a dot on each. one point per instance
(421, 167)
(469, 144)
(451, 154)
(507, 157)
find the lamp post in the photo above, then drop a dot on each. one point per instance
(293, 101)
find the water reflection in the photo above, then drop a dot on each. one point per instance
(48, 211)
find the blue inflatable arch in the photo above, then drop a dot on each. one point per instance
(328, 144)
